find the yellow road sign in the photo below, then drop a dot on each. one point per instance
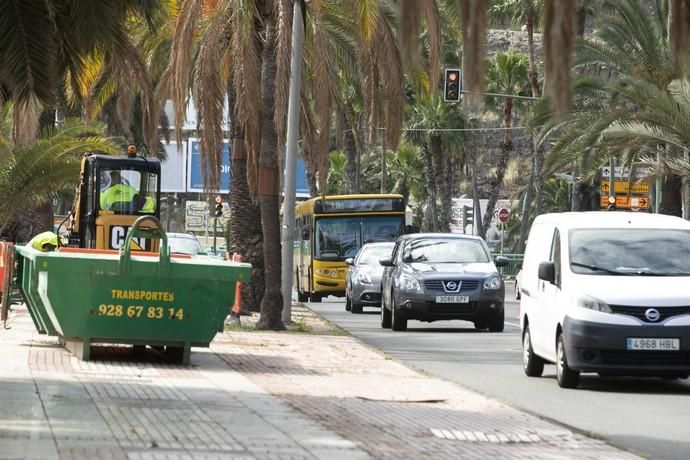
(624, 202)
(624, 186)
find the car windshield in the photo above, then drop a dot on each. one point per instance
(371, 255)
(338, 238)
(185, 245)
(624, 251)
(435, 250)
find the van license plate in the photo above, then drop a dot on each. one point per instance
(653, 344)
(452, 299)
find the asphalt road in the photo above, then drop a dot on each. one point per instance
(648, 416)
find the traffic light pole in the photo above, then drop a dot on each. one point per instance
(291, 162)
(215, 229)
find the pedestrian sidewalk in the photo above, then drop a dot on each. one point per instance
(315, 394)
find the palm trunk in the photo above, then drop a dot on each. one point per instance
(350, 150)
(533, 76)
(671, 200)
(538, 179)
(245, 236)
(501, 164)
(441, 184)
(430, 224)
(269, 184)
(580, 22)
(525, 219)
(446, 189)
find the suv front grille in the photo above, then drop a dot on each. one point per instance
(437, 285)
(638, 312)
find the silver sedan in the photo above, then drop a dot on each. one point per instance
(363, 284)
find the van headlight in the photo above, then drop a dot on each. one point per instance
(364, 278)
(592, 303)
(408, 283)
(493, 283)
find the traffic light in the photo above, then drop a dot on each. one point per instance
(219, 207)
(452, 85)
(467, 217)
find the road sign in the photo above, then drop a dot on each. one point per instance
(625, 187)
(623, 172)
(503, 215)
(626, 202)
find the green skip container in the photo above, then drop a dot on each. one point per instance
(86, 296)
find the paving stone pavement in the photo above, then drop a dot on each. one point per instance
(254, 395)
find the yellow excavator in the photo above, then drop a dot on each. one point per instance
(113, 192)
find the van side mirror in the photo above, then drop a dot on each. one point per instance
(411, 229)
(386, 262)
(349, 261)
(502, 261)
(547, 272)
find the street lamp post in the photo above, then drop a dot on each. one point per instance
(291, 161)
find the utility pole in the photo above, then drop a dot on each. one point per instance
(291, 161)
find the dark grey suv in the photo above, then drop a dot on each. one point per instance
(442, 276)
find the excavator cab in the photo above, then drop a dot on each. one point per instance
(113, 192)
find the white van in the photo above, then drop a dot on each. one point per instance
(606, 292)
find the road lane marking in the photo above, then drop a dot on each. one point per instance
(512, 324)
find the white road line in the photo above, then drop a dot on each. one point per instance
(512, 324)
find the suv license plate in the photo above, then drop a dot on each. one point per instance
(452, 299)
(653, 344)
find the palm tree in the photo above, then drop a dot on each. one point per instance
(429, 119)
(41, 41)
(406, 168)
(32, 174)
(507, 74)
(629, 57)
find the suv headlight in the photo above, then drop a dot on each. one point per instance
(409, 283)
(493, 282)
(591, 303)
(364, 278)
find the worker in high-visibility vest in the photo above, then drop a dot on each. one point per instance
(44, 242)
(117, 192)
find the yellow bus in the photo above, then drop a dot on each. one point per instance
(331, 229)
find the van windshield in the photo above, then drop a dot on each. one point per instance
(625, 251)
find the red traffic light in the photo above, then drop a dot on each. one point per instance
(219, 199)
(451, 85)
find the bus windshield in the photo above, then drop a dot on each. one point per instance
(338, 238)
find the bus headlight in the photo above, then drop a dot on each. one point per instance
(328, 272)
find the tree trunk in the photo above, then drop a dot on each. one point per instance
(580, 22)
(245, 236)
(31, 222)
(269, 183)
(501, 163)
(350, 150)
(441, 184)
(671, 200)
(538, 179)
(429, 183)
(533, 76)
(526, 207)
